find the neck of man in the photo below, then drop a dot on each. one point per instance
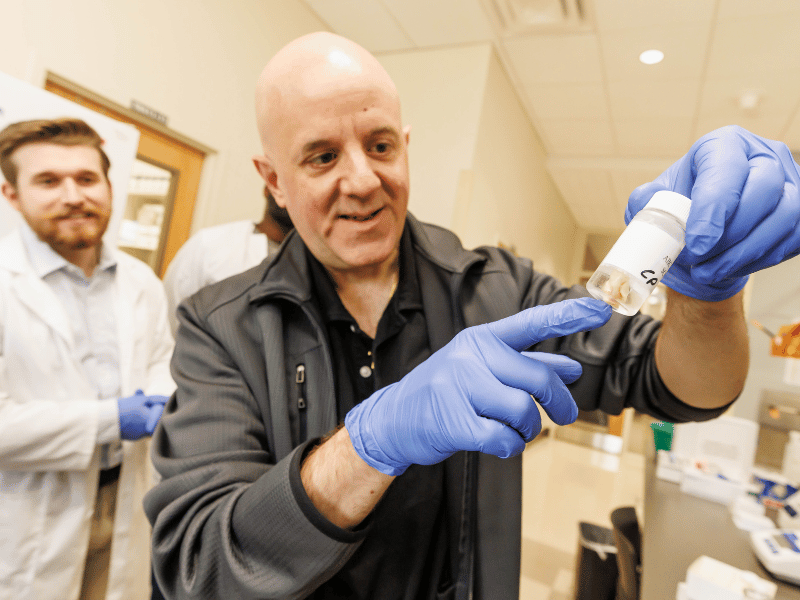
(366, 295)
(86, 259)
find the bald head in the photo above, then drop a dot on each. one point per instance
(309, 68)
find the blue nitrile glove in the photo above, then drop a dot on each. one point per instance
(139, 414)
(745, 211)
(475, 393)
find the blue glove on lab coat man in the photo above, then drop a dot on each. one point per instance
(139, 415)
(745, 193)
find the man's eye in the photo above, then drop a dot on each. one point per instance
(324, 159)
(382, 147)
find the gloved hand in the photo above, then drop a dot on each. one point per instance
(475, 393)
(139, 414)
(745, 211)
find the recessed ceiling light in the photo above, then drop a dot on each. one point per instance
(651, 57)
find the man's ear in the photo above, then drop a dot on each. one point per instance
(270, 176)
(407, 133)
(10, 192)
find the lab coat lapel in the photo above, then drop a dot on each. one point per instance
(125, 298)
(29, 289)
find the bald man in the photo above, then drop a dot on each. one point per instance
(350, 415)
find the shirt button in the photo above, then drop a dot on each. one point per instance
(365, 371)
(353, 328)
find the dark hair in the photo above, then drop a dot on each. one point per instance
(278, 214)
(64, 132)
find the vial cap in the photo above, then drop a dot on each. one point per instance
(673, 203)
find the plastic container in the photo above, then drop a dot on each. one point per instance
(791, 459)
(642, 254)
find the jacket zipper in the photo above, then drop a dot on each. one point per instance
(300, 380)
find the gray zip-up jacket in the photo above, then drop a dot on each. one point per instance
(255, 381)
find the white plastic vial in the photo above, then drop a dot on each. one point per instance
(642, 254)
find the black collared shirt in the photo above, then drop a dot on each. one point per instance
(403, 553)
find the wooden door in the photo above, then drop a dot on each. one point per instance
(157, 145)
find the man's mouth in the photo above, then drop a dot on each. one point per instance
(77, 215)
(361, 218)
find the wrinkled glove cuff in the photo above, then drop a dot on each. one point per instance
(361, 436)
(710, 293)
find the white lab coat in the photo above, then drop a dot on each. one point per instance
(49, 414)
(210, 255)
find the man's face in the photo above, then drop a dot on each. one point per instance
(341, 170)
(62, 194)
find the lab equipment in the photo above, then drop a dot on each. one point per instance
(791, 458)
(139, 414)
(643, 253)
(789, 514)
(745, 192)
(778, 551)
(475, 392)
(711, 579)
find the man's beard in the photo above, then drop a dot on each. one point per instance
(62, 237)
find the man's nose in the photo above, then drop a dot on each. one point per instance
(70, 191)
(359, 179)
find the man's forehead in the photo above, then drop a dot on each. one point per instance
(43, 156)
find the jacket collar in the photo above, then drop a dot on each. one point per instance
(288, 273)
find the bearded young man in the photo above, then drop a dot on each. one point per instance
(84, 375)
(420, 347)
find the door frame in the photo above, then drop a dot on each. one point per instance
(159, 144)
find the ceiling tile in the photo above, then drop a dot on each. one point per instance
(735, 9)
(684, 48)
(767, 126)
(778, 94)
(573, 137)
(588, 194)
(625, 180)
(568, 101)
(659, 99)
(626, 14)
(654, 137)
(363, 21)
(442, 22)
(752, 45)
(570, 58)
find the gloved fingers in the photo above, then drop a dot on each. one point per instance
(540, 379)
(721, 166)
(493, 437)
(731, 220)
(767, 244)
(568, 370)
(534, 378)
(153, 417)
(528, 327)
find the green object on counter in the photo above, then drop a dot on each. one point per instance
(662, 435)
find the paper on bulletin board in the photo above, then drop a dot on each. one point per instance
(21, 101)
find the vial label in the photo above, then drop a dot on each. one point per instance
(634, 266)
(645, 251)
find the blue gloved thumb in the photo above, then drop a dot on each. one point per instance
(156, 410)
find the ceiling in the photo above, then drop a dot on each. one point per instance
(607, 121)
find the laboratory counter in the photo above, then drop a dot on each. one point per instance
(678, 528)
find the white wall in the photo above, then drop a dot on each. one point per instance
(196, 61)
(774, 301)
(441, 92)
(513, 199)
